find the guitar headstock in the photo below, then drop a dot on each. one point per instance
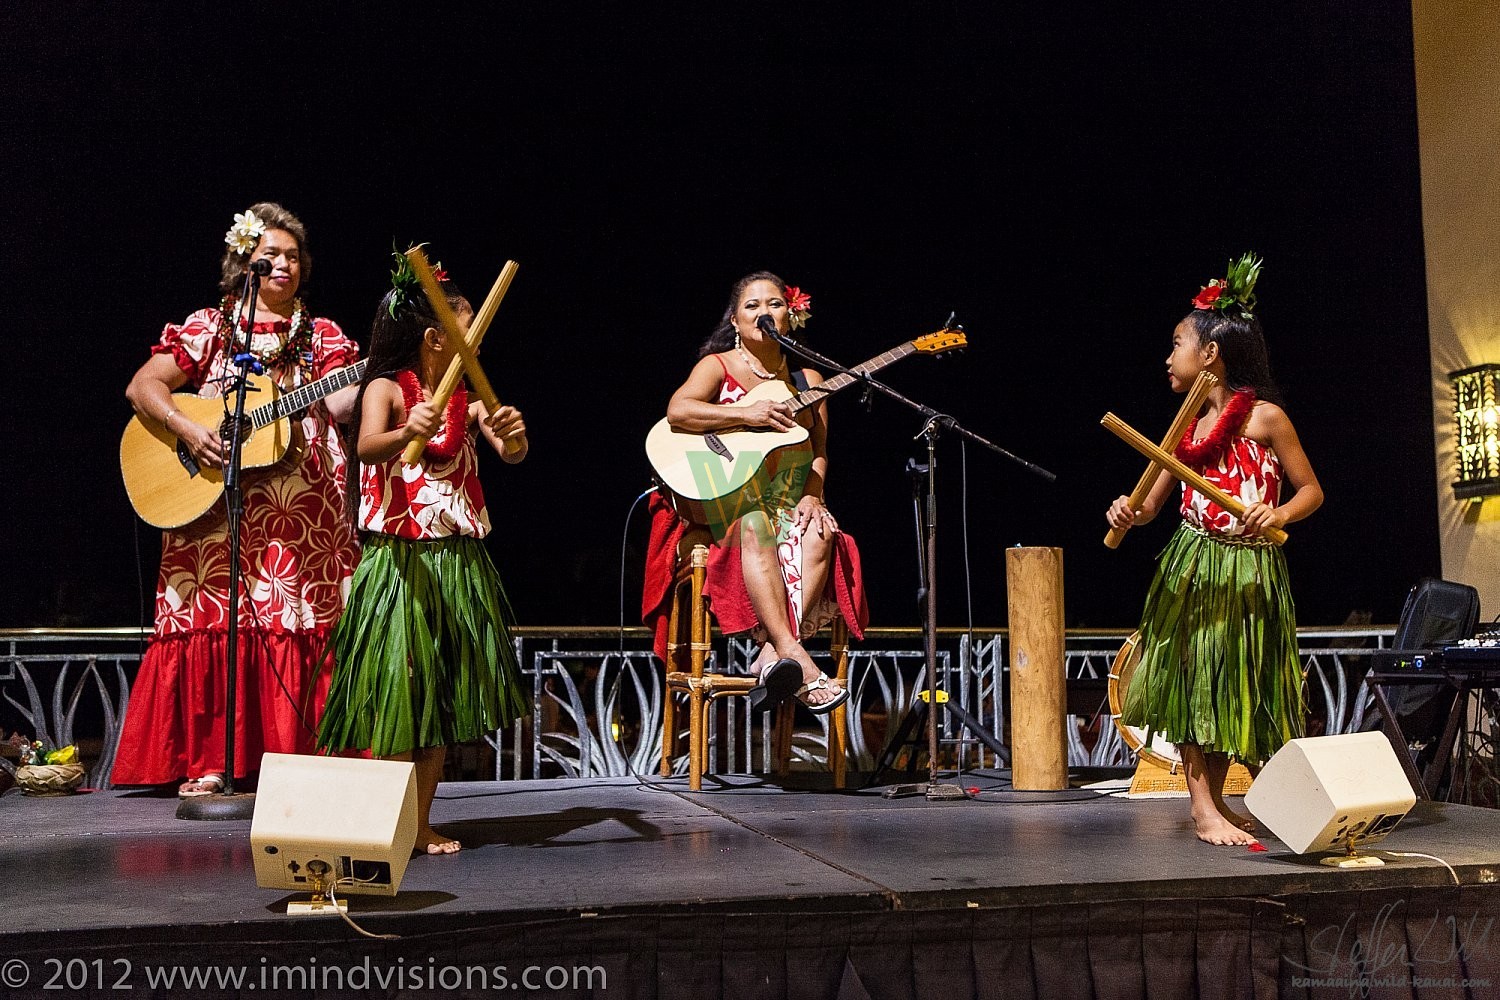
(947, 339)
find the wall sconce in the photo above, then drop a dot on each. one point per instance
(1477, 430)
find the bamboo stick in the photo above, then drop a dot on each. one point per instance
(1142, 444)
(466, 360)
(1202, 385)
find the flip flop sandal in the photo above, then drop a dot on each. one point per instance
(777, 684)
(214, 781)
(822, 684)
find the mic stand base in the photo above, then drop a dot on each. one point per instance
(944, 793)
(217, 807)
(932, 791)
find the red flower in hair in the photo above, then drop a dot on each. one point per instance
(798, 306)
(439, 275)
(1209, 296)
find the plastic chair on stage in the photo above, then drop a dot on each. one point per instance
(688, 632)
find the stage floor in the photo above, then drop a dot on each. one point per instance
(536, 849)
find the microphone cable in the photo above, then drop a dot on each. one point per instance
(624, 545)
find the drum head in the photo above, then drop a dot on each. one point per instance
(1160, 752)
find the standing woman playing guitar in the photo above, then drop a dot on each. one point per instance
(297, 545)
(773, 572)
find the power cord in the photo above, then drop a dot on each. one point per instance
(350, 920)
(624, 544)
(1429, 857)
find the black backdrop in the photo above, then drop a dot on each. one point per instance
(1063, 176)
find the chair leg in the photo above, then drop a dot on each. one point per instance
(697, 733)
(668, 731)
(698, 651)
(838, 726)
(781, 737)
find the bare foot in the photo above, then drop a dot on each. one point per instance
(1243, 822)
(1213, 828)
(429, 841)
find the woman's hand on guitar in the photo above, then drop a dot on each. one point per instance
(766, 413)
(1120, 515)
(205, 444)
(422, 421)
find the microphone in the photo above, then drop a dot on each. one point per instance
(767, 326)
(261, 267)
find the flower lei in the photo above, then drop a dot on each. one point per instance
(1205, 453)
(1235, 290)
(444, 445)
(246, 232)
(404, 281)
(295, 350)
(798, 306)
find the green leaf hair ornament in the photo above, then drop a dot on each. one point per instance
(404, 281)
(1236, 290)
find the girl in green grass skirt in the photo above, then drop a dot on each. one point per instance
(1219, 673)
(423, 655)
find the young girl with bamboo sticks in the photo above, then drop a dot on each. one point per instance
(423, 654)
(1219, 674)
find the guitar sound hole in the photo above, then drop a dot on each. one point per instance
(226, 430)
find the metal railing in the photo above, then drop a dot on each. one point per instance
(596, 696)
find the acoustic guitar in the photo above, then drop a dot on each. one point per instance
(715, 478)
(166, 486)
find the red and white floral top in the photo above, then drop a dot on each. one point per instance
(438, 497)
(1249, 471)
(297, 546)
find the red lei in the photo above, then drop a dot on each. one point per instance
(1205, 453)
(442, 446)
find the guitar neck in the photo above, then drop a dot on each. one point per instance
(816, 394)
(301, 398)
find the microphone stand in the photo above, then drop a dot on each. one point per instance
(228, 804)
(934, 424)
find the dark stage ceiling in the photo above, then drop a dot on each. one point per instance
(1064, 177)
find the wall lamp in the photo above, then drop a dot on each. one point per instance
(1477, 430)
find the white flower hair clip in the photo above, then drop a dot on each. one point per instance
(245, 233)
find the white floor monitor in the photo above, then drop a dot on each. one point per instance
(334, 817)
(1317, 792)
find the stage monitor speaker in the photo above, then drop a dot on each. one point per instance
(318, 819)
(1321, 793)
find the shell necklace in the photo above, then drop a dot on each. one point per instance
(755, 369)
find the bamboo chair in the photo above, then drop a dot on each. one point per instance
(700, 688)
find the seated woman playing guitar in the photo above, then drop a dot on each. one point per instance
(783, 570)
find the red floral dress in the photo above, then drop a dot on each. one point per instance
(1248, 471)
(804, 620)
(297, 552)
(438, 497)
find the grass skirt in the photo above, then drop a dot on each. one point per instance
(423, 656)
(1219, 664)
